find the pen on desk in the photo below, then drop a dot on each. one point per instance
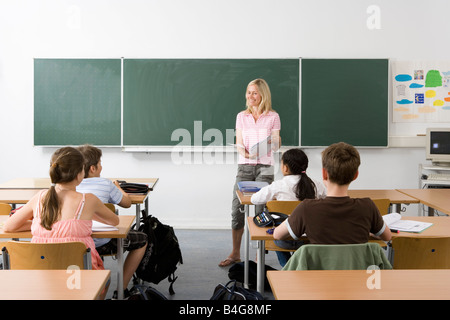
(395, 231)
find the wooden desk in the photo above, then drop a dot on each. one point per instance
(435, 199)
(44, 183)
(17, 196)
(124, 226)
(51, 284)
(352, 285)
(21, 190)
(395, 197)
(440, 227)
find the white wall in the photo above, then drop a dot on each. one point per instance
(206, 29)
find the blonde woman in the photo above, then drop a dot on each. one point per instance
(253, 125)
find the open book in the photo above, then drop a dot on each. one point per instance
(394, 222)
(99, 226)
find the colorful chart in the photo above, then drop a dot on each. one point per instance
(421, 91)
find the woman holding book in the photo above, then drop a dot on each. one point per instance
(257, 124)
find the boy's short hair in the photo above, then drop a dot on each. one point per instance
(341, 161)
(92, 156)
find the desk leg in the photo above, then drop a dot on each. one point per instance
(138, 215)
(430, 211)
(246, 246)
(120, 268)
(397, 207)
(260, 266)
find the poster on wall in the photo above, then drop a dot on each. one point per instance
(421, 91)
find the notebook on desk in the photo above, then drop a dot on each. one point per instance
(394, 221)
(99, 226)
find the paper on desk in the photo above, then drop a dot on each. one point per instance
(99, 226)
(394, 221)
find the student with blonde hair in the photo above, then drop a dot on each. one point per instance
(258, 122)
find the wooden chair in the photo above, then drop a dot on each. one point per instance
(421, 252)
(382, 205)
(20, 255)
(5, 209)
(285, 207)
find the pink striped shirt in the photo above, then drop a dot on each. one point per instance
(256, 131)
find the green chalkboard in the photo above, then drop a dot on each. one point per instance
(77, 101)
(169, 102)
(344, 100)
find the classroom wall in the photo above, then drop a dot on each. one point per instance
(198, 194)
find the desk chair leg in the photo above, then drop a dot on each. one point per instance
(246, 246)
(390, 253)
(260, 265)
(120, 268)
(138, 215)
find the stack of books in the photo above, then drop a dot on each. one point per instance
(250, 187)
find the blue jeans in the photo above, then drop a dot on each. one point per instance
(284, 256)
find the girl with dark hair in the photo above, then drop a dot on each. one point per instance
(295, 185)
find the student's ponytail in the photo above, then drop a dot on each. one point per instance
(65, 165)
(297, 162)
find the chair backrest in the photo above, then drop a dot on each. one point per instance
(285, 207)
(421, 252)
(382, 205)
(338, 257)
(5, 208)
(20, 255)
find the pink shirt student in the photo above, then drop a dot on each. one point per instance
(256, 131)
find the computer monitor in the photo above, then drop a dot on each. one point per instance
(438, 146)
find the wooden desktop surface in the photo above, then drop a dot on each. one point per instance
(440, 228)
(22, 196)
(438, 199)
(124, 226)
(394, 196)
(44, 183)
(51, 284)
(17, 196)
(352, 285)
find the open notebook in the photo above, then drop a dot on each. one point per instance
(395, 222)
(98, 226)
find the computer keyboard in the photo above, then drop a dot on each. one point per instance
(439, 176)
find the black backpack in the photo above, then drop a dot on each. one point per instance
(232, 291)
(162, 255)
